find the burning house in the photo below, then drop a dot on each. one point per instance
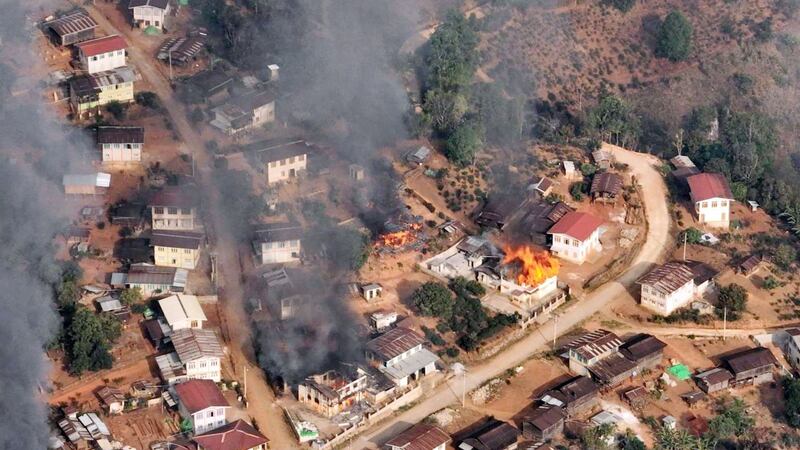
(523, 274)
(402, 232)
(338, 390)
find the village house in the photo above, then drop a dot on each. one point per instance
(605, 187)
(382, 321)
(334, 391)
(712, 199)
(278, 243)
(539, 218)
(419, 437)
(120, 144)
(543, 423)
(71, 28)
(575, 395)
(570, 172)
(90, 92)
(418, 156)
(102, 54)
(576, 237)
(371, 291)
(244, 113)
(493, 435)
(590, 348)
(86, 184)
(209, 86)
(603, 159)
(237, 435)
(182, 311)
(684, 168)
(751, 366)
(149, 13)
(542, 186)
(356, 172)
(151, 280)
(282, 162)
(196, 357)
(182, 50)
(498, 211)
(673, 285)
(714, 380)
(791, 347)
(112, 398)
(644, 350)
(113, 306)
(77, 235)
(173, 209)
(751, 265)
(202, 402)
(179, 249)
(612, 370)
(400, 355)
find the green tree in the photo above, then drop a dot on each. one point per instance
(68, 292)
(785, 255)
(596, 438)
(629, 441)
(675, 37)
(733, 298)
(731, 422)
(347, 245)
(613, 120)
(622, 5)
(445, 109)
(89, 338)
(116, 109)
(131, 296)
(576, 191)
(463, 287)
(501, 117)
(588, 169)
(452, 56)
(791, 406)
(463, 144)
(433, 299)
(739, 191)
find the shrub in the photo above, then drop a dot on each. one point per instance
(675, 37)
(116, 109)
(433, 299)
(576, 191)
(733, 298)
(148, 100)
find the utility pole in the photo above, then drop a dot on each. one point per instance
(169, 52)
(684, 245)
(724, 322)
(555, 330)
(245, 384)
(464, 388)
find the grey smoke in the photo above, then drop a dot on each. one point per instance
(35, 150)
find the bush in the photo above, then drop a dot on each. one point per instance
(462, 145)
(116, 109)
(576, 191)
(791, 394)
(588, 169)
(148, 100)
(433, 336)
(692, 236)
(433, 299)
(733, 298)
(771, 283)
(675, 37)
(452, 352)
(785, 255)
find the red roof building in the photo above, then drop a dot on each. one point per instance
(102, 45)
(577, 225)
(705, 186)
(420, 437)
(197, 395)
(238, 435)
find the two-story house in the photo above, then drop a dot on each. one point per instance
(237, 435)
(87, 93)
(150, 279)
(791, 347)
(149, 13)
(334, 391)
(176, 248)
(245, 112)
(400, 355)
(674, 285)
(590, 348)
(278, 243)
(576, 236)
(102, 54)
(196, 357)
(120, 144)
(282, 162)
(173, 209)
(421, 436)
(712, 199)
(202, 402)
(182, 311)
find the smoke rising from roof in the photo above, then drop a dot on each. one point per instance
(35, 150)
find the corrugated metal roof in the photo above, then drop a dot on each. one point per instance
(176, 239)
(181, 307)
(192, 344)
(705, 186)
(668, 278)
(595, 343)
(394, 343)
(102, 45)
(578, 225)
(420, 437)
(71, 23)
(197, 395)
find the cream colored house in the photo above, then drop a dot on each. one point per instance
(149, 13)
(245, 112)
(283, 162)
(173, 209)
(278, 243)
(576, 236)
(202, 402)
(675, 285)
(179, 249)
(182, 311)
(197, 356)
(87, 93)
(102, 54)
(120, 144)
(712, 199)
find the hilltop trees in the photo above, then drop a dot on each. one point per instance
(452, 56)
(462, 145)
(675, 37)
(613, 120)
(88, 338)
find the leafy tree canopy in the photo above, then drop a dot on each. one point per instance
(675, 37)
(433, 299)
(452, 55)
(463, 144)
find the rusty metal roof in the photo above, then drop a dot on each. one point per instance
(192, 344)
(595, 343)
(668, 278)
(394, 342)
(419, 437)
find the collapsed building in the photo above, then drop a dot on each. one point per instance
(337, 390)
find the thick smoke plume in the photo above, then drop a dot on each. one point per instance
(35, 149)
(340, 80)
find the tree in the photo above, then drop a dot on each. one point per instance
(629, 441)
(746, 165)
(785, 255)
(732, 421)
(349, 246)
(502, 118)
(462, 145)
(622, 5)
(596, 438)
(116, 109)
(433, 299)
(613, 120)
(733, 298)
(452, 56)
(463, 287)
(791, 407)
(588, 169)
(445, 109)
(669, 439)
(131, 296)
(692, 235)
(88, 338)
(739, 191)
(576, 191)
(675, 37)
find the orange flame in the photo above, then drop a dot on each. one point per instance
(400, 238)
(536, 266)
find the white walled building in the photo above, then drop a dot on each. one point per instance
(120, 144)
(197, 356)
(179, 249)
(675, 285)
(182, 311)
(400, 355)
(149, 13)
(173, 209)
(202, 402)
(712, 199)
(285, 162)
(102, 54)
(576, 237)
(245, 112)
(278, 243)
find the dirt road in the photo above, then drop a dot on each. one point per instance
(655, 247)
(263, 408)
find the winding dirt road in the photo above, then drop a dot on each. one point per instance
(658, 241)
